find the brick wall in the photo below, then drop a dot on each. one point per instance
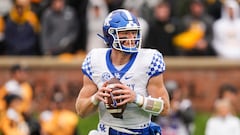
(200, 78)
(202, 85)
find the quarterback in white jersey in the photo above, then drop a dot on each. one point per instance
(139, 70)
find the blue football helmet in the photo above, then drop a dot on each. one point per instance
(121, 20)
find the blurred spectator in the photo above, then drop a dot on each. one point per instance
(181, 118)
(133, 4)
(38, 6)
(134, 7)
(146, 8)
(59, 28)
(18, 85)
(162, 29)
(114, 4)
(21, 30)
(97, 10)
(81, 8)
(230, 93)
(1, 35)
(5, 7)
(58, 120)
(179, 8)
(214, 8)
(223, 122)
(12, 122)
(226, 31)
(196, 39)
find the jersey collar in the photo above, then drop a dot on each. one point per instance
(119, 73)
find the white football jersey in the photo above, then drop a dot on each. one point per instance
(135, 74)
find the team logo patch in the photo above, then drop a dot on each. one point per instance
(102, 128)
(117, 75)
(105, 76)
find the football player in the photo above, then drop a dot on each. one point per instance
(140, 72)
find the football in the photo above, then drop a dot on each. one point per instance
(111, 105)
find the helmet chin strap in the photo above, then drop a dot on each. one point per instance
(102, 37)
(130, 50)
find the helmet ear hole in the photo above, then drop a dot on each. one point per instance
(116, 45)
(111, 31)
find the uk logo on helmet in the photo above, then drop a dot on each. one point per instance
(107, 20)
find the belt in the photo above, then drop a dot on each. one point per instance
(125, 131)
(113, 130)
(147, 129)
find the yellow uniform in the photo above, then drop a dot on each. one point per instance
(60, 122)
(13, 127)
(26, 95)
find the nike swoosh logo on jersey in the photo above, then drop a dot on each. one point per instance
(128, 77)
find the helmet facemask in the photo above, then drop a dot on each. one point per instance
(124, 43)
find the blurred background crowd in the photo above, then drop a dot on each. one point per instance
(70, 27)
(176, 28)
(19, 113)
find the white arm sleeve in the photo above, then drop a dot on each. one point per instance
(149, 104)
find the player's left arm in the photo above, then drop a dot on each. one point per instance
(156, 103)
(156, 89)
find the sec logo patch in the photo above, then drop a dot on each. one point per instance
(105, 76)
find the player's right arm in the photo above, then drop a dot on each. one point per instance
(83, 104)
(89, 97)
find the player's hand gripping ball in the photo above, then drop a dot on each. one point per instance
(111, 105)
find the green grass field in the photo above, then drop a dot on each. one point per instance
(89, 123)
(200, 122)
